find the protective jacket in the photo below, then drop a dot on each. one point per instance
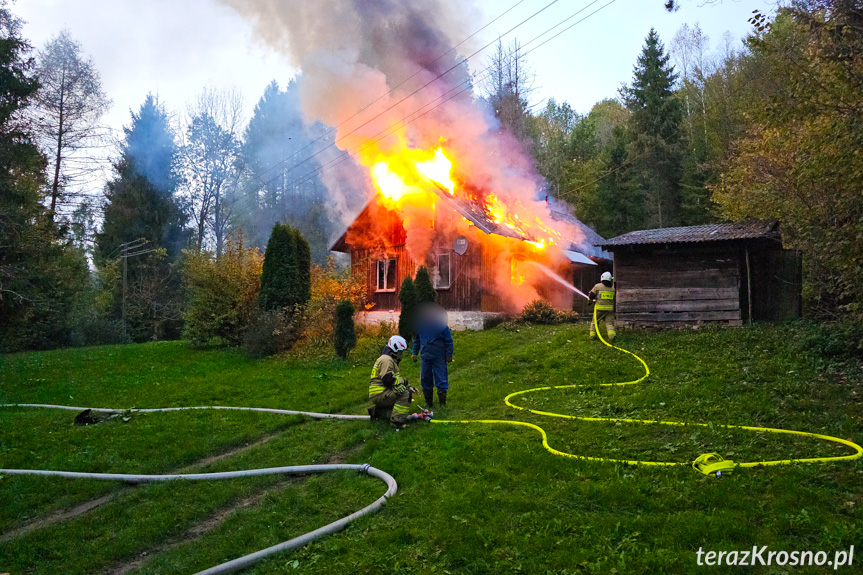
(388, 390)
(603, 295)
(385, 375)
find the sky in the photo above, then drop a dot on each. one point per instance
(175, 48)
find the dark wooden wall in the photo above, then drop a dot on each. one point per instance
(679, 286)
(777, 280)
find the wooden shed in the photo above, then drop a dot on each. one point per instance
(718, 273)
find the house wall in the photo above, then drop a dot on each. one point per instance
(666, 286)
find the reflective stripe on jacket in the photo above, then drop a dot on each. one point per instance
(604, 296)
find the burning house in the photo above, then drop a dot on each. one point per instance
(443, 182)
(484, 257)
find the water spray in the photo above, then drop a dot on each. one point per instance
(557, 278)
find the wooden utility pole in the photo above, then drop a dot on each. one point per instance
(130, 249)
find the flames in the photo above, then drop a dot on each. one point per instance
(407, 177)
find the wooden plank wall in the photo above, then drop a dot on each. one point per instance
(465, 291)
(678, 287)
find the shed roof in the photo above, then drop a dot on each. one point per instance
(753, 229)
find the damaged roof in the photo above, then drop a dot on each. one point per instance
(753, 229)
(479, 218)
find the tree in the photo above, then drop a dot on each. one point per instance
(142, 206)
(40, 273)
(551, 132)
(507, 84)
(655, 120)
(689, 48)
(277, 141)
(799, 160)
(345, 337)
(423, 286)
(211, 164)
(69, 104)
(286, 276)
(408, 299)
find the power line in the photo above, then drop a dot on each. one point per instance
(391, 90)
(404, 121)
(396, 104)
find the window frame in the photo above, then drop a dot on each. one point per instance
(448, 256)
(386, 262)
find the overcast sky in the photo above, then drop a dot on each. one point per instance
(176, 47)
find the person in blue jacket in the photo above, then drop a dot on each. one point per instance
(433, 344)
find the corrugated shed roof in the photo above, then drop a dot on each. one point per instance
(752, 229)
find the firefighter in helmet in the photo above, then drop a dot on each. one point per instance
(602, 295)
(387, 389)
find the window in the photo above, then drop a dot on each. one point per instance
(442, 273)
(387, 275)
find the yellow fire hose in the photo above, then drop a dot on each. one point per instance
(708, 464)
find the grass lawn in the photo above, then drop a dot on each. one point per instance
(472, 498)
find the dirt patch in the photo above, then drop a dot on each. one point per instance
(222, 515)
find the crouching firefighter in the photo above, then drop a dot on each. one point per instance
(387, 389)
(603, 295)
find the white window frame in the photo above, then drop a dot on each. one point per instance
(449, 269)
(385, 262)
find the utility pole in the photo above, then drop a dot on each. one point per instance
(130, 249)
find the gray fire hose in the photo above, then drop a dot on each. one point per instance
(246, 560)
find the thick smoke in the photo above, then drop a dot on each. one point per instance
(355, 56)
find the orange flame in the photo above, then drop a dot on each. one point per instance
(407, 174)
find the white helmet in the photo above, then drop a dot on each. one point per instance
(606, 277)
(397, 343)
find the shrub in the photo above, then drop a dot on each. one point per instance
(539, 312)
(272, 332)
(839, 339)
(222, 293)
(408, 299)
(329, 286)
(345, 336)
(423, 285)
(286, 273)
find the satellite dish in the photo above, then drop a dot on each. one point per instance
(459, 246)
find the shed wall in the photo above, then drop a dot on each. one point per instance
(668, 286)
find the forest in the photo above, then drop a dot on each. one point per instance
(112, 238)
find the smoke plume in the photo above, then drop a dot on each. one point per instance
(365, 69)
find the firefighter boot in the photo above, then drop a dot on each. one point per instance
(429, 397)
(441, 397)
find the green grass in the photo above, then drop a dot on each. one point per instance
(472, 498)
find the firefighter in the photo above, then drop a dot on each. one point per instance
(387, 389)
(602, 295)
(433, 344)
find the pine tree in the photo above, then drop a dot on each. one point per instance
(141, 205)
(276, 131)
(423, 285)
(656, 150)
(141, 196)
(345, 335)
(408, 299)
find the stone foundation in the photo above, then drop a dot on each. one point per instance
(458, 320)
